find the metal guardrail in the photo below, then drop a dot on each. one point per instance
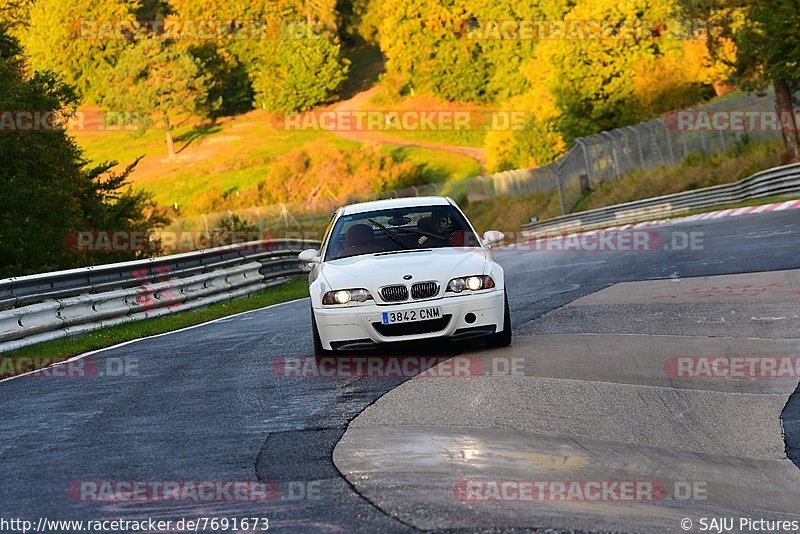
(776, 182)
(48, 306)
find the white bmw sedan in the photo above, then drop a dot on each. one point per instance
(405, 269)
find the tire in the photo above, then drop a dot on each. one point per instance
(502, 338)
(319, 351)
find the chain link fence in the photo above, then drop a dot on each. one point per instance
(612, 154)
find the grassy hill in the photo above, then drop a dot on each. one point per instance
(234, 153)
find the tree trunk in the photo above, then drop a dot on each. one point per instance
(789, 126)
(170, 142)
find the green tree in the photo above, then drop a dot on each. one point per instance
(154, 81)
(767, 37)
(46, 188)
(271, 55)
(298, 70)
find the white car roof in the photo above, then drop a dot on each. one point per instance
(389, 203)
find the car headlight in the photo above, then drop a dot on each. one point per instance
(345, 296)
(473, 283)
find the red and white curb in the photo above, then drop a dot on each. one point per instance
(776, 206)
(764, 208)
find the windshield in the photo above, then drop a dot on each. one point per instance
(396, 230)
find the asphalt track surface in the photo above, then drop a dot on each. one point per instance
(205, 404)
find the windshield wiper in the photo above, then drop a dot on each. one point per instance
(390, 234)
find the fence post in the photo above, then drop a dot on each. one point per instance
(614, 154)
(669, 141)
(585, 185)
(685, 148)
(639, 146)
(560, 193)
(586, 162)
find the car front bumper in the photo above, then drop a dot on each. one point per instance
(353, 327)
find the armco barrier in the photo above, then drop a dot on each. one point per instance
(48, 306)
(778, 182)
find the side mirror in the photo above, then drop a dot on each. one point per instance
(309, 256)
(493, 236)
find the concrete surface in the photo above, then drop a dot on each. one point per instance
(598, 406)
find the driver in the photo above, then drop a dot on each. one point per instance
(438, 223)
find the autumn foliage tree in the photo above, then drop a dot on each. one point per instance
(576, 66)
(767, 38)
(62, 37)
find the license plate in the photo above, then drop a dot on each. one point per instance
(409, 316)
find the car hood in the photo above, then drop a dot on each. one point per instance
(372, 271)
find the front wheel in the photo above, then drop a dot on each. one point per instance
(318, 349)
(502, 338)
